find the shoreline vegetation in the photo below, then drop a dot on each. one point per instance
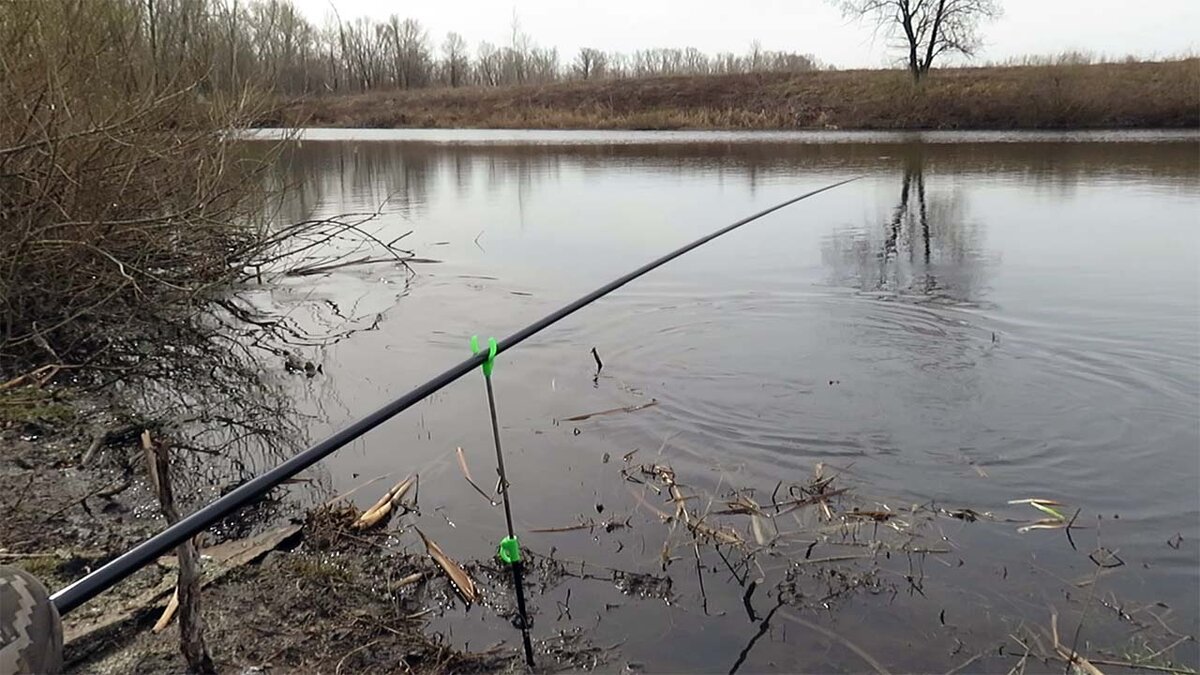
(1134, 95)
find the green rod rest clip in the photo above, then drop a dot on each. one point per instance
(510, 551)
(491, 358)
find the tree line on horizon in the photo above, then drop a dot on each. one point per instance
(229, 44)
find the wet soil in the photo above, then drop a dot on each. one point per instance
(329, 604)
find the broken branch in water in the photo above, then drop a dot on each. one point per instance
(310, 270)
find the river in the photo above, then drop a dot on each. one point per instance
(980, 318)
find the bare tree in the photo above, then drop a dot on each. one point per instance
(589, 64)
(488, 64)
(455, 63)
(927, 28)
(515, 59)
(409, 47)
(755, 57)
(224, 46)
(542, 65)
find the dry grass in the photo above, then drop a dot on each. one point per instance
(1110, 95)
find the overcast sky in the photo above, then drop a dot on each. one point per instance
(1114, 27)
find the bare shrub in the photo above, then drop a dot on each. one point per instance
(130, 216)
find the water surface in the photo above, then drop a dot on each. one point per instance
(980, 318)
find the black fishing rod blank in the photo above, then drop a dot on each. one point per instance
(252, 490)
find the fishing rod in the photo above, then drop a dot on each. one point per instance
(151, 549)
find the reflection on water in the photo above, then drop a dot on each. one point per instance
(970, 323)
(927, 247)
(361, 170)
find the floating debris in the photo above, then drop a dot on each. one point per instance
(383, 508)
(1056, 521)
(1043, 505)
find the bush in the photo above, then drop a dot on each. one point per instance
(123, 206)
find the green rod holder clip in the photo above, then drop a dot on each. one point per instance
(490, 361)
(510, 551)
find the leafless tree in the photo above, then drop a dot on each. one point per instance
(409, 47)
(488, 64)
(927, 28)
(515, 58)
(589, 64)
(233, 46)
(455, 63)
(542, 65)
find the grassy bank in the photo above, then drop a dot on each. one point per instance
(1126, 95)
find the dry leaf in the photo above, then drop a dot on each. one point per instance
(458, 576)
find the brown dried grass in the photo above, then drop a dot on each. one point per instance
(1082, 96)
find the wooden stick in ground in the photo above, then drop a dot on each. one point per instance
(191, 625)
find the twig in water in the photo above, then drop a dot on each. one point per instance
(746, 599)
(1019, 668)
(347, 494)
(1072, 657)
(626, 409)
(584, 525)
(1068, 528)
(762, 630)
(834, 558)
(963, 666)
(462, 464)
(564, 607)
(1142, 666)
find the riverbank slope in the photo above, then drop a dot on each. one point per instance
(1099, 96)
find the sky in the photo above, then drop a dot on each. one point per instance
(1111, 27)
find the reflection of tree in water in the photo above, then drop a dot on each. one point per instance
(927, 249)
(363, 176)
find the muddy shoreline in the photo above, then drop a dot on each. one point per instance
(299, 604)
(312, 591)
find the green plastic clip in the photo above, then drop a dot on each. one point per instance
(491, 358)
(510, 551)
